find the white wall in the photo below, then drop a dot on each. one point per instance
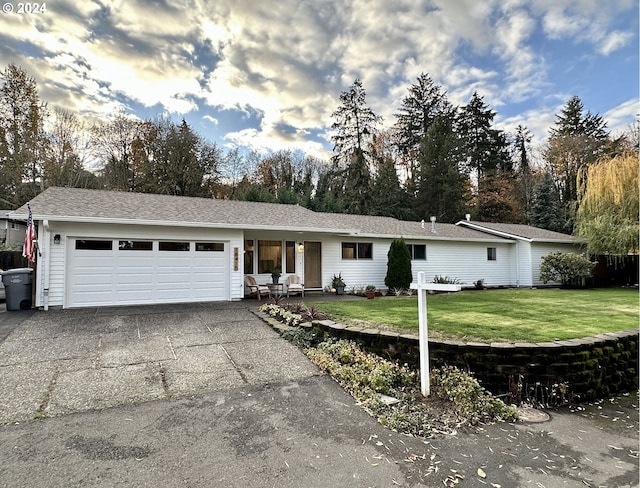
(467, 262)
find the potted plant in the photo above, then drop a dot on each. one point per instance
(370, 290)
(275, 275)
(338, 283)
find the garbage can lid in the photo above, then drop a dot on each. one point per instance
(17, 271)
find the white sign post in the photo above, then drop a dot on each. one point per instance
(423, 288)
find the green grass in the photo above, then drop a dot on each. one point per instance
(512, 315)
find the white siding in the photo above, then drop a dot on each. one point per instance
(356, 272)
(523, 259)
(467, 262)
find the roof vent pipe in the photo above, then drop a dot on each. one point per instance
(468, 217)
(433, 224)
(422, 224)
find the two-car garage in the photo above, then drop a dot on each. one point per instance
(103, 272)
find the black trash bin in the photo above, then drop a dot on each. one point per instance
(17, 288)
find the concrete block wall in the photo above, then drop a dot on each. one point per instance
(554, 372)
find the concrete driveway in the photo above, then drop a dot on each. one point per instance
(65, 361)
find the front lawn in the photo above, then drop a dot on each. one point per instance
(511, 315)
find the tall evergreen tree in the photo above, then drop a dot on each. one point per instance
(577, 140)
(545, 211)
(487, 158)
(418, 110)
(354, 127)
(525, 177)
(441, 183)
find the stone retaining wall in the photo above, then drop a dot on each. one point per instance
(551, 372)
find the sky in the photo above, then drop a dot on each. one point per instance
(267, 74)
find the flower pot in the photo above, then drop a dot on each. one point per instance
(371, 294)
(339, 290)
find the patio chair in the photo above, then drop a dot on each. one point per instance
(255, 288)
(294, 285)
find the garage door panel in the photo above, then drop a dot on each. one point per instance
(125, 277)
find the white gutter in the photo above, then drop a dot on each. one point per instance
(493, 231)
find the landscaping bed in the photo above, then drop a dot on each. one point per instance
(390, 391)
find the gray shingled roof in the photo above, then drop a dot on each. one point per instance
(76, 204)
(522, 231)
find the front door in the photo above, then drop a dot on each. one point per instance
(312, 264)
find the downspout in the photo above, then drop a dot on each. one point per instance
(47, 261)
(517, 264)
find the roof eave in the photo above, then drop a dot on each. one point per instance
(172, 223)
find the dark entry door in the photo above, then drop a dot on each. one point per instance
(312, 264)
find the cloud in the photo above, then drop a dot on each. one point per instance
(211, 119)
(619, 118)
(614, 41)
(288, 60)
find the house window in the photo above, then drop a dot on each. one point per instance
(210, 246)
(174, 246)
(290, 256)
(357, 250)
(135, 245)
(418, 251)
(248, 256)
(94, 245)
(492, 254)
(269, 256)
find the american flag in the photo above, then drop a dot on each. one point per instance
(28, 248)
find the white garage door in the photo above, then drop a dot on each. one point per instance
(127, 272)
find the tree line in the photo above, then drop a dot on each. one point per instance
(435, 159)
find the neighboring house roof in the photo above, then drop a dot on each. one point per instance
(82, 205)
(520, 231)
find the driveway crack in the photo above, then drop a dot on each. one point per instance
(237, 368)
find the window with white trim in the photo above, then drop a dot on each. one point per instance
(492, 254)
(357, 250)
(418, 252)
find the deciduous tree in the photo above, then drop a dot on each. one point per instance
(608, 209)
(22, 137)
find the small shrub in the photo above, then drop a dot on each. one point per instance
(473, 403)
(301, 337)
(479, 284)
(568, 268)
(445, 280)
